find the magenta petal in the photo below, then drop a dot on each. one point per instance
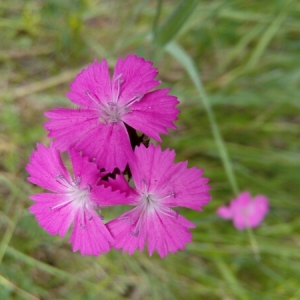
(85, 173)
(112, 147)
(224, 212)
(157, 170)
(69, 126)
(109, 143)
(120, 184)
(240, 221)
(135, 76)
(189, 188)
(105, 196)
(242, 200)
(256, 213)
(163, 233)
(151, 166)
(121, 228)
(153, 114)
(44, 167)
(167, 234)
(262, 204)
(91, 86)
(90, 236)
(54, 220)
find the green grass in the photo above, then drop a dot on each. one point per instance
(235, 67)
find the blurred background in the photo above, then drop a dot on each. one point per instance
(234, 65)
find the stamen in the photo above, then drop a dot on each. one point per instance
(170, 194)
(136, 234)
(91, 97)
(61, 204)
(135, 98)
(77, 181)
(60, 179)
(102, 120)
(144, 187)
(119, 77)
(177, 213)
(144, 181)
(126, 219)
(168, 212)
(113, 120)
(118, 81)
(98, 208)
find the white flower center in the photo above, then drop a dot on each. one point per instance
(148, 204)
(113, 111)
(79, 197)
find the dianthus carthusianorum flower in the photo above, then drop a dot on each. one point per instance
(73, 199)
(244, 211)
(98, 128)
(160, 185)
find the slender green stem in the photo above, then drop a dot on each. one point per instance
(218, 138)
(157, 15)
(180, 54)
(254, 243)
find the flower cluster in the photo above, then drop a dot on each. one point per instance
(112, 164)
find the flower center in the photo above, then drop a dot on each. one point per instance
(113, 111)
(79, 197)
(248, 210)
(148, 204)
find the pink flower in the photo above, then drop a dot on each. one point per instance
(160, 185)
(72, 200)
(244, 211)
(98, 127)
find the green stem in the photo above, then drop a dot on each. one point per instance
(253, 243)
(157, 15)
(182, 56)
(218, 138)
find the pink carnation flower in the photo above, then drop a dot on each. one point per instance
(244, 211)
(72, 200)
(98, 127)
(160, 185)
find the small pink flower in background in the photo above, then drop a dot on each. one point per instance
(244, 211)
(72, 200)
(160, 185)
(98, 127)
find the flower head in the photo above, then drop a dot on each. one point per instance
(106, 105)
(73, 199)
(244, 211)
(160, 185)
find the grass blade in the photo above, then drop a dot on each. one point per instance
(12, 287)
(182, 56)
(174, 23)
